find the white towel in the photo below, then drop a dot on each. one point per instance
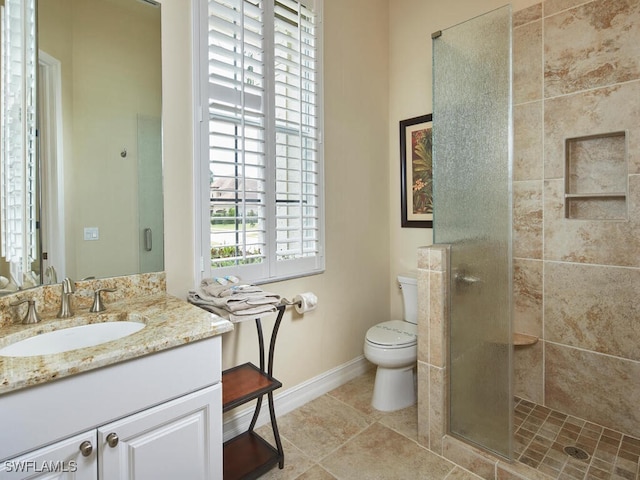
(236, 301)
(240, 316)
(214, 289)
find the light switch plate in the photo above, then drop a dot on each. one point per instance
(91, 233)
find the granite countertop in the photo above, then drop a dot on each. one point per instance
(170, 322)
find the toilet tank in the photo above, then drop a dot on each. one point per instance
(409, 285)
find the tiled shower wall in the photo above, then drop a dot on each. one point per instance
(577, 280)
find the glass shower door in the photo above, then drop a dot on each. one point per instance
(472, 213)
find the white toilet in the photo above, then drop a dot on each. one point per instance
(393, 347)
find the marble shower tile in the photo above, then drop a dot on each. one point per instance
(378, 448)
(591, 46)
(438, 313)
(527, 138)
(520, 471)
(597, 164)
(591, 241)
(424, 404)
(527, 309)
(438, 257)
(527, 219)
(437, 407)
(423, 257)
(424, 296)
(527, 296)
(593, 307)
(528, 372)
(602, 388)
(605, 110)
(527, 52)
(527, 15)
(462, 474)
(469, 457)
(551, 7)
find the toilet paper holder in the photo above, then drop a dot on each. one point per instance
(302, 302)
(288, 303)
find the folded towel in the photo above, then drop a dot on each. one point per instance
(235, 301)
(214, 289)
(240, 316)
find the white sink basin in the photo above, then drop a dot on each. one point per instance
(72, 338)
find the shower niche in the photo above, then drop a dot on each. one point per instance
(596, 177)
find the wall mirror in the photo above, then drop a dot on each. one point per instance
(81, 138)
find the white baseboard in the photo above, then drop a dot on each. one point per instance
(294, 397)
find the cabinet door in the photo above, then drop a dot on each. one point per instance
(62, 460)
(178, 439)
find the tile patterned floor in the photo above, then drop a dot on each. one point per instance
(340, 436)
(542, 434)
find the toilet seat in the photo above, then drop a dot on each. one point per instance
(393, 334)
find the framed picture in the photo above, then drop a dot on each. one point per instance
(416, 172)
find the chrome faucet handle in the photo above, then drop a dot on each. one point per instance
(68, 286)
(32, 313)
(98, 305)
(65, 304)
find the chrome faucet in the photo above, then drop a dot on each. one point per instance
(65, 304)
(32, 314)
(98, 304)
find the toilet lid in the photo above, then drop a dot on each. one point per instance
(394, 333)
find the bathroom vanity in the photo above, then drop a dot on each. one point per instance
(145, 406)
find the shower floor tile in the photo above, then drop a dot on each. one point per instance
(566, 447)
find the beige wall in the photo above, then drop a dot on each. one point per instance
(353, 292)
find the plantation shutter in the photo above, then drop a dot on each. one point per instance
(237, 123)
(18, 158)
(264, 145)
(296, 138)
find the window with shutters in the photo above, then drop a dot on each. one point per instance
(260, 149)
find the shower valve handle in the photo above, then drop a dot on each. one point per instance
(462, 278)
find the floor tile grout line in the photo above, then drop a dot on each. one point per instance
(378, 420)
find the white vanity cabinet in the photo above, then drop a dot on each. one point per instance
(172, 441)
(155, 417)
(62, 460)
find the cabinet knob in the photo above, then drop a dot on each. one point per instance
(86, 448)
(112, 439)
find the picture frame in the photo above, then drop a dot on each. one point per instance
(416, 172)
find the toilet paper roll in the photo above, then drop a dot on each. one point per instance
(305, 302)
